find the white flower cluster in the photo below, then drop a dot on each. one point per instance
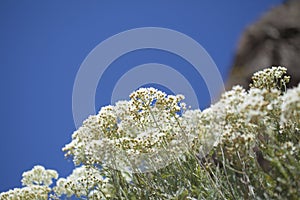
(32, 192)
(242, 116)
(39, 176)
(231, 116)
(83, 182)
(235, 115)
(269, 78)
(37, 185)
(149, 128)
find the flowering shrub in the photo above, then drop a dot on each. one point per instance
(246, 146)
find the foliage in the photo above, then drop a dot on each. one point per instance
(246, 146)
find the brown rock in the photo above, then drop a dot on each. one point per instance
(274, 40)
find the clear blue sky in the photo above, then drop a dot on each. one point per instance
(43, 43)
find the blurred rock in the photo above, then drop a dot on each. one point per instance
(271, 41)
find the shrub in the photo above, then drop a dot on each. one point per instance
(245, 146)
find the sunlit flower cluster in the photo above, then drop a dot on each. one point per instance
(244, 115)
(128, 136)
(269, 78)
(39, 176)
(37, 185)
(32, 192)
(83, 182)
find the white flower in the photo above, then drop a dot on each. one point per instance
(39, 176)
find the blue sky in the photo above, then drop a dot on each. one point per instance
(43, 43)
